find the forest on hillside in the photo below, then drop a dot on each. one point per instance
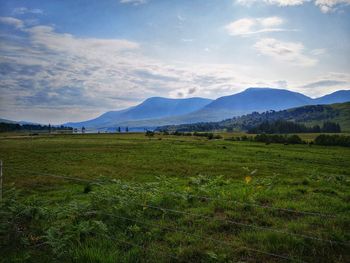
(313, 117)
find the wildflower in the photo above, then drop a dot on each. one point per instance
(248, 179)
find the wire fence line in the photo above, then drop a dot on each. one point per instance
(236, 223)
(103, 182)
(138, 246)
(218, 241)
(308, 213)
(200, 197)
(247, 225)
(241, 224)
(331, 242)
(260, 206)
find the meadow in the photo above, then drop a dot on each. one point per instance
(130, 198)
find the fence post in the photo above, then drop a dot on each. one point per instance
(0, 180)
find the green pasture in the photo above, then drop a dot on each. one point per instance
(130, 198)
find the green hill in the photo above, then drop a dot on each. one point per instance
(309, 115)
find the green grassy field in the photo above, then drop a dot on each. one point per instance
(172, 199)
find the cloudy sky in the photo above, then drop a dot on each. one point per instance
(63, 60)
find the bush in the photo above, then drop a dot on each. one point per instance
(333, 140)
(275, 138)
(294, 139)
(149, 133)
(209, 135)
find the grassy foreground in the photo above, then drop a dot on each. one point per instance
(172, 199)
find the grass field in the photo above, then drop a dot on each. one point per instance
(172, 199)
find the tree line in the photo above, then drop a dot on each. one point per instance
(282, 126)
(322, 139)
(11, 127)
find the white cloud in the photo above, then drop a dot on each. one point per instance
(241, 26)
(12, 21)
(250, 26)
(133, 2)
(45, 72)
(291, 52)
(318, 51)
(44, 36)
(48, 76)
(325, 84)
(325, 6)
(272, 2)
(271, 21)
(25, 10)
(286, 2)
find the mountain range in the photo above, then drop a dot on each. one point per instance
(309, 115)
(158, 111)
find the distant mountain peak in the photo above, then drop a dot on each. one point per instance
(268, 89)
(260, 89)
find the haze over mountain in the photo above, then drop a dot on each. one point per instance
(152, 108)
(159, 111)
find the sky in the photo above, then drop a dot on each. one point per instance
(63, 60)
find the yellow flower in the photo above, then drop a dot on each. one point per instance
(248, 179)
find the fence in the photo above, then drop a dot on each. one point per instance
(203, 216)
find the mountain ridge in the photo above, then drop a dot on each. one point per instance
(154, 108)
(160, 111)
(247, 101)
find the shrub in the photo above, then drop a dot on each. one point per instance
(333, 140)
(87, 188)
(275, 138)
(294, 139)
(210, 136)
(149, 133)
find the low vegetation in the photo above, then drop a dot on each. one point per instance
(320, 139)
(132, 198)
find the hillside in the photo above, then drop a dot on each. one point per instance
(309, 115)
(152, 108)
(335, 97)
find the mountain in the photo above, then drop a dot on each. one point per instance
(158, 111)
(258, 99)
(7, 121)
(336, 97)
(152, 108)
(17, 122)
(248, 101)
(252, 99)
(309, 115)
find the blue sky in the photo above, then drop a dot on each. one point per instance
(63, 60)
